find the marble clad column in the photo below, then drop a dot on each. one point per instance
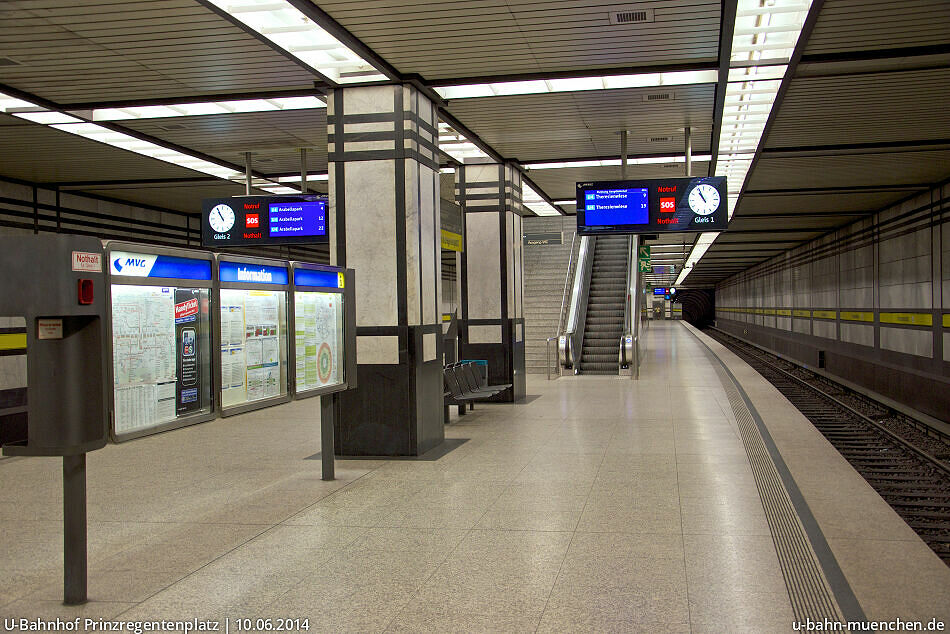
(384, 211)
(492, 319)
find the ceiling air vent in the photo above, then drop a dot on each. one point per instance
(6, 61)
(659, 96)
(659, 139)
(171, 127)
(632, 15)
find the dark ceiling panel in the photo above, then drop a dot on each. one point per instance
(36, 153)
(587, 123)
(561, 184)
(274, 138)
(71, 51)
(820, 111)
(864, 25)
(443, 39)
(850, 170)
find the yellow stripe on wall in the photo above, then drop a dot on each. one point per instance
(13, 341)
(850, 315)
(910, 319)
(946, 320)
(825, 314)
(801, 313)
(783, 312)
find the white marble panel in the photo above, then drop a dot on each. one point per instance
(484, 334)
(428, 346)
(377, 350)
(519, 268)
(366, 146)
(916, 342)
(371, 240)
(825, 328)
(369, 126)
(429, 243)
(413, 283)
(483, 256)
(368, 100)
(487, 173)
(862, 334)
(519, 333)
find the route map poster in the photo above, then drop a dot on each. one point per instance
(318, 339)
(253, 324)
(157, 354)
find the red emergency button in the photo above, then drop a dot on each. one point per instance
(85, 292)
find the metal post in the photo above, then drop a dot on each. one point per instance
(59, 212)
(689, 152)
(36, 211)
(303, 170)
(74, 529)
(247, 173)
(327, 407)
(623, 155)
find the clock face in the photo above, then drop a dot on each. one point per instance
(704, 199)
(221, 218)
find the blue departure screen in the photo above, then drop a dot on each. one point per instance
(291, 219)
(617, 206)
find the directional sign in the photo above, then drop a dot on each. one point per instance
(645, 266)
(643, 252)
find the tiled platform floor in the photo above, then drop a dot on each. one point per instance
(602, 505)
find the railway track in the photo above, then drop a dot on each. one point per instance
(904, 460)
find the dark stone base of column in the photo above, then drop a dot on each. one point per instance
(506, 361)
(396, 409)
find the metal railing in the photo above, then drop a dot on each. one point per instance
(547, 352)
(567, 282)
(570, 340)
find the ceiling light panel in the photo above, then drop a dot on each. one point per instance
(533, 201)
(647, 160)
(284, 25)
(206, 108)
(541, 86)
(765, 36)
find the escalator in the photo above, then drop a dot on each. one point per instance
(604, 323)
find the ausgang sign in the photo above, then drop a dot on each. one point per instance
(541, 239)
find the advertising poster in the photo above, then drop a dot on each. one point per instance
(318, 339)
(187, 334)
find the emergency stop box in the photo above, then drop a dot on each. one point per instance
(54, 284)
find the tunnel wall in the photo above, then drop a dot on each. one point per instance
(872, 299)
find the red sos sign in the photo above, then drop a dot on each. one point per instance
(667, 205)
(252, 221)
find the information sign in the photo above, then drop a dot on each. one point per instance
(253, 329)
(652, 206)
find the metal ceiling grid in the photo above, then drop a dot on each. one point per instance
(273, 136)
(102, 50)
(40, 154)
(455, 38)
(586, 123)
(851, 109)
(560, 184)
(864, 25)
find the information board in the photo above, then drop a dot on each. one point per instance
(160, 355)
(264, 220)
(253, 341)
(318, 339)
(652, 206)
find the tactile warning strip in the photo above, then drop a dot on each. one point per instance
(808, 590)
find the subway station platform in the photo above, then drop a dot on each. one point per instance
(675, 503)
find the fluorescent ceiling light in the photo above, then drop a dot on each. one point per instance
(541, 86)
(456, 145)
(536, 203)
(285, 26)
(205, 108)
(647, 160)
(310, 178)
(447, 170)
(573, 201)
(47, 117)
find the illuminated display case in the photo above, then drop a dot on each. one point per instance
(160, 342)
(253, 333)
(323, 323)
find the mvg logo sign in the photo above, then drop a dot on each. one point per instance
(133, 264)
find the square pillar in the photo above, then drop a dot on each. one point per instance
(384, 211)
(492, 273)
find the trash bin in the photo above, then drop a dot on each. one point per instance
(481, 369)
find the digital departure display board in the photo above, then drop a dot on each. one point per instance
(263, 220)
(652, 206)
